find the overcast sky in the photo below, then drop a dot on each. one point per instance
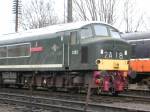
(7, 18)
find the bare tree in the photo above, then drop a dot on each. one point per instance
(132, 17)
(103, 10)
(38, 13)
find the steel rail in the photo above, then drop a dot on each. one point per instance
(60, 105)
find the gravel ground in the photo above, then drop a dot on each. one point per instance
(15, 108)
(7, 108)
(129, 105)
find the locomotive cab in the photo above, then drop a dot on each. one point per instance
(100, 49)
(97, 43)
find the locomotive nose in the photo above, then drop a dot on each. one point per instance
(113, 49)
(112, 55)
(112, 64)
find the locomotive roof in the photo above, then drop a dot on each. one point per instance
(36, 33)
(136, 35)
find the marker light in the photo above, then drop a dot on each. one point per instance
(125, 52)
(101, 51)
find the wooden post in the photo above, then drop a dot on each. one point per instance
(88, 93)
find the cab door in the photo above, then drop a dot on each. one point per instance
(74, 51)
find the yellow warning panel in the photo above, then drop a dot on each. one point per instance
(111, 64)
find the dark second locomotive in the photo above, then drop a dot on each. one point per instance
(140, 62)
(66, 57)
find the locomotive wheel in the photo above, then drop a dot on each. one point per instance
(99, 91)
(93, 91)
(1, 81)
(6, 85)
(19, 86)
(113, 92)
(54, 89)
(73, 90)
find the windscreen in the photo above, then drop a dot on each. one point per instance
(100, 30)
(114, 33)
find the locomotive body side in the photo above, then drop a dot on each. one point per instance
(37, 55)
(66, 57)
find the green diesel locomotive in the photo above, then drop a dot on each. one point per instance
(66, 57)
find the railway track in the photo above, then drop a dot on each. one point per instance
(125, 97)
(60, 105)
(64, 102)
(138, 92)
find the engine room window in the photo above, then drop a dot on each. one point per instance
(86, 32)
(114, 33)
(3, 52)
(18, 50)
(100, 30)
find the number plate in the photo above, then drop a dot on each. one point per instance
(110, 55)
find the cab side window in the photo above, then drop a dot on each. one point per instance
(3, 52)
(133, 50)
(73, 38)
(86, 32)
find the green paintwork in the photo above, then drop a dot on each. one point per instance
(58, 50)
